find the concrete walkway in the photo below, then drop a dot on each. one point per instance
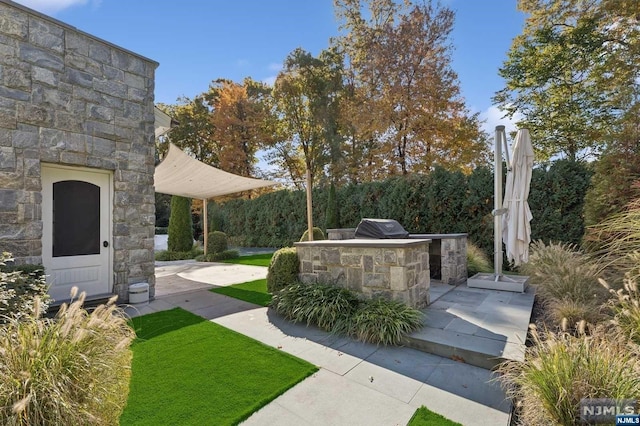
(357, 384)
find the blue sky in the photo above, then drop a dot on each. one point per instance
(197, 41)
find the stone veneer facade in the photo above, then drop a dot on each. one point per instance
(447, 253)
(392, 269)
(69, 98)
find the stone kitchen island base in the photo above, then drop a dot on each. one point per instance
(395, 269)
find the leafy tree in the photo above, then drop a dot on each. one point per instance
(573, 73)
(180, 225)
(402, 93)
(306, 97)
(238, 115)
(195, 131)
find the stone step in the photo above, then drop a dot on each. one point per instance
(480, 327)
(90, 303)
(474, 350)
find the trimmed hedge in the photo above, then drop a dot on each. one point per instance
(283, 269)
(440, 202)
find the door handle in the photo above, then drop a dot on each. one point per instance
(105, 244)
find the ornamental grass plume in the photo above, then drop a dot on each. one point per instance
(560, 369)
(73, 369)
(619, 237)
(626, 307)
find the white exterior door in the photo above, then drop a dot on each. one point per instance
(76, 234)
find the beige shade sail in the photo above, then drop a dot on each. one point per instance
(180, 174)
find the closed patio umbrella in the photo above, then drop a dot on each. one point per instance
(516, 230)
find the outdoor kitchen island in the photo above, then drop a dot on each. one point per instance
(396, 269)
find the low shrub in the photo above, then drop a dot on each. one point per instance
(166, 255)
(383, 321)
(340, 311)
(180, 225)
(217, 242)
(562, 369)
(318, 235)
(477, 260)
(20, 285)
(560, 271)
(283, 269)
(80, 374)
(216, 257)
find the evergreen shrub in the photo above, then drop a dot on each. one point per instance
(217, 242)
(442, 201)
(333, 217)
(180, 225)
(283, 269)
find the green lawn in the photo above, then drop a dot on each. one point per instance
(255, 259)
(189, 371)
(252, 292)
(425, 417)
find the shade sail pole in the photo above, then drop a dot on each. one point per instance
(309, 207)
(497, 203)
(205, 225)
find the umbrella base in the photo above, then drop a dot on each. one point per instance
(515, 283)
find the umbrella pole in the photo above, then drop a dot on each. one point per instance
(205, 225)
(497, 203)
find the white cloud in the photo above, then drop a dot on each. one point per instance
(242, 63)
(53, 6)
(271, 80)
(494, 116)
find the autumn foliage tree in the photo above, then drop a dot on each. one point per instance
(238, 116)
(404, 103)
(194, 133)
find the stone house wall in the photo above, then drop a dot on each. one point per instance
(69, 98)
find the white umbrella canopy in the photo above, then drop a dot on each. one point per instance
(516, 230)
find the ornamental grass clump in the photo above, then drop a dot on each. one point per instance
(477, 260)
(70, 370)
(384, 321)
(327, 307)
(626, 307)
(560, 271)
(340, 311)
(619, 235)
(566, 282)
(561, 369)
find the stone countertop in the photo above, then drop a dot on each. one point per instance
(437, 236)
(366, 243)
